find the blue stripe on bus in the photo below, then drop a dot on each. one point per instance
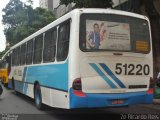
(95, 67)
(25, 88)
(51, 75)
(109, 72)
(19, 86)
(24, 73)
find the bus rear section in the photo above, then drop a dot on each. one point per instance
(115, 61)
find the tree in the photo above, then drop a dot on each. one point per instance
(21, 20)
(89, 3)
(12, 10)
(3, 52)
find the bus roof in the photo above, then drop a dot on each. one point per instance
(79, 11)
(111, 11)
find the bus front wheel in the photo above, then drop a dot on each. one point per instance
(38, 97)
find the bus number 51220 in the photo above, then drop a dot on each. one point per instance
(132, 69)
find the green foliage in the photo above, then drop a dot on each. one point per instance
(21, 20)
(89, 3)
(3, 52)
(12, 9)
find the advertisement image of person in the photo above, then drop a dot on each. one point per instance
(103, 31)
(88, 43)
(95, 37)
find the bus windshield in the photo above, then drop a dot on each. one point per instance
(101, 32)
(3, 65)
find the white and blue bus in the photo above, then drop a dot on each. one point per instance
(87, 58)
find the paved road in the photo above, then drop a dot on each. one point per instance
(17, 104)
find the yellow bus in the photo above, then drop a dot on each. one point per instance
(4, 71)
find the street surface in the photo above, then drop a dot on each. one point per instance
(22, 107)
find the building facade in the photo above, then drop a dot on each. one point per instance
(54, 5)
(48, 4)
(63, 9)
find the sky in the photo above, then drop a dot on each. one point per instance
(2, 36)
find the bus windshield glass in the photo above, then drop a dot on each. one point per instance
(110, 32)
(3, 65)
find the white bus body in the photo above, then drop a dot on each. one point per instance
(105, 76)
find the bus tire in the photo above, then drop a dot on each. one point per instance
(1, 90)
(3, 80)
(13, 84)
(38, 97)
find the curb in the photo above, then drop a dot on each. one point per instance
(154, 106)
(156, 101)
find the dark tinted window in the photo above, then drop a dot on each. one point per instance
(3, 64)
(16, 57)
(50, 46)
(38, 45)
(29, 52)
(101, 32)
(13, 57)
(23, 54)
(63, 41)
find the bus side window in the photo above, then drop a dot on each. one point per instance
(13, 58)
(29, 52)
(38, 49)
(3, 64)
(17, 56)
(23, 54)
(50, 46)
(8, 59)
(63, 41)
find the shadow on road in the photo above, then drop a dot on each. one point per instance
(61, 114)
(81, 114)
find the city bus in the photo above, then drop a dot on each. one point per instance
(88, 58)
(4, 69)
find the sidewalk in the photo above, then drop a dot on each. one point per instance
(155, 105)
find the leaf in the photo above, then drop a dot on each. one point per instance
(22, 20)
